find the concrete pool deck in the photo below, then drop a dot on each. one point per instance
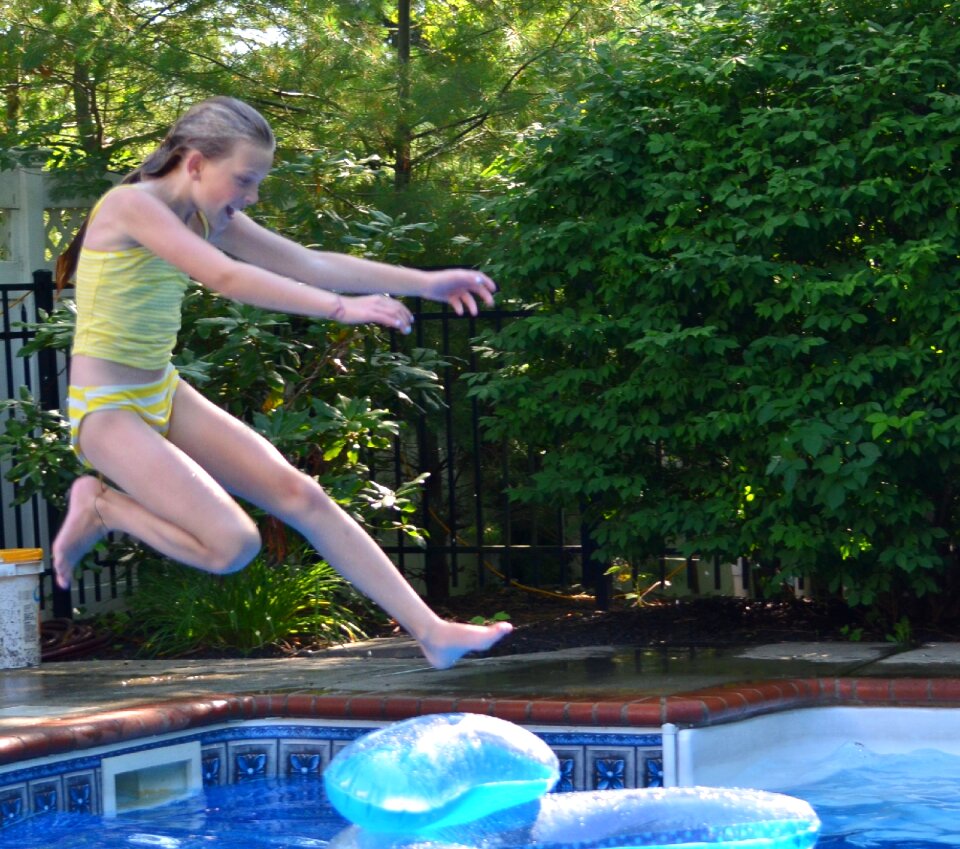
(64, 706)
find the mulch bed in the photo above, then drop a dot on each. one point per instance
(544, 624)
(547, 622)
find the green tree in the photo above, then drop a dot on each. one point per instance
(741, 236)
(422, 96)
(93, 82)
(366, 98)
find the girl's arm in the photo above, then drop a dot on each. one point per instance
(151, 223)
(459, 287)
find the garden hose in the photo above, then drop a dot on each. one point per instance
(63, 638)
(491, 568)
(659, 583)
(536, 590)
(486, 563)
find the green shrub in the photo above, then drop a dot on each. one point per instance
(741, 236)
(178, 611)
(36, 444)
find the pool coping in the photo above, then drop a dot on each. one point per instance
(699, 708)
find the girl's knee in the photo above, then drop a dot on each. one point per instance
(299, 495)
(235, 550)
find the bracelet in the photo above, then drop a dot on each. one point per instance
(338, 313)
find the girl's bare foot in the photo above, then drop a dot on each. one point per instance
(447, 642)
(81, 529)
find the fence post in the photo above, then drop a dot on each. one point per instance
(30, 234)
(49, 394)
(594, 569)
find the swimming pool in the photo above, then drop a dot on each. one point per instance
(872, 801)
(710, 737)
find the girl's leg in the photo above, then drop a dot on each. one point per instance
(250, 467)
(81, 529)
(164, 498)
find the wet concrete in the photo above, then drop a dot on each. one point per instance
(633, 673)
(394, 666)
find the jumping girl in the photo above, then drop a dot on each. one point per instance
(174, 459)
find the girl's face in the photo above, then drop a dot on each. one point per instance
(227, 185)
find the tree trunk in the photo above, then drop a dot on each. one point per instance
(402, 140)
(12, 104)
(84, 106)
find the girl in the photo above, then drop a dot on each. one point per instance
(175, 459)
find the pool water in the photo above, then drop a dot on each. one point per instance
(287, 814)
(873, 802)
(884, 801)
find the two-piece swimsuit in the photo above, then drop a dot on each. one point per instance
(128, 311)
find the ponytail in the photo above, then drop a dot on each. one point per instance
(67, 261)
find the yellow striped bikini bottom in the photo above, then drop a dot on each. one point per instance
(153, 402)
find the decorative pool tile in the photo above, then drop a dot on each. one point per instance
(46, 796)
(571, 769)
(245, 752)
(213, 764)
(13, 804)
(248, 761)
(610, 768)
(81, 792)
(652, 775)
(303, 758)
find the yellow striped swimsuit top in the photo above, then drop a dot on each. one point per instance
(128, 304)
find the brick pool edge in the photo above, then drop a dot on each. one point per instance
(705, 707)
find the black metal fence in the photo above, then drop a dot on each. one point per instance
(28, 525)
(23, 526)
(34, 523)
(476, 536)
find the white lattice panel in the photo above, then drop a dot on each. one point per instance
(60, 225)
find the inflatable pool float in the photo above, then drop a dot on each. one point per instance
(466, 781)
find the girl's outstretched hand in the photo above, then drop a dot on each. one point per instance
(376, 309)
(460, 288)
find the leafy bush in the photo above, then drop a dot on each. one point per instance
(741, 234)
(300, 602)
(36, 443)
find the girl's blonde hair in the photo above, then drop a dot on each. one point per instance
(212, 127)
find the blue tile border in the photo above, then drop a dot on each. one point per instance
(295, 751)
